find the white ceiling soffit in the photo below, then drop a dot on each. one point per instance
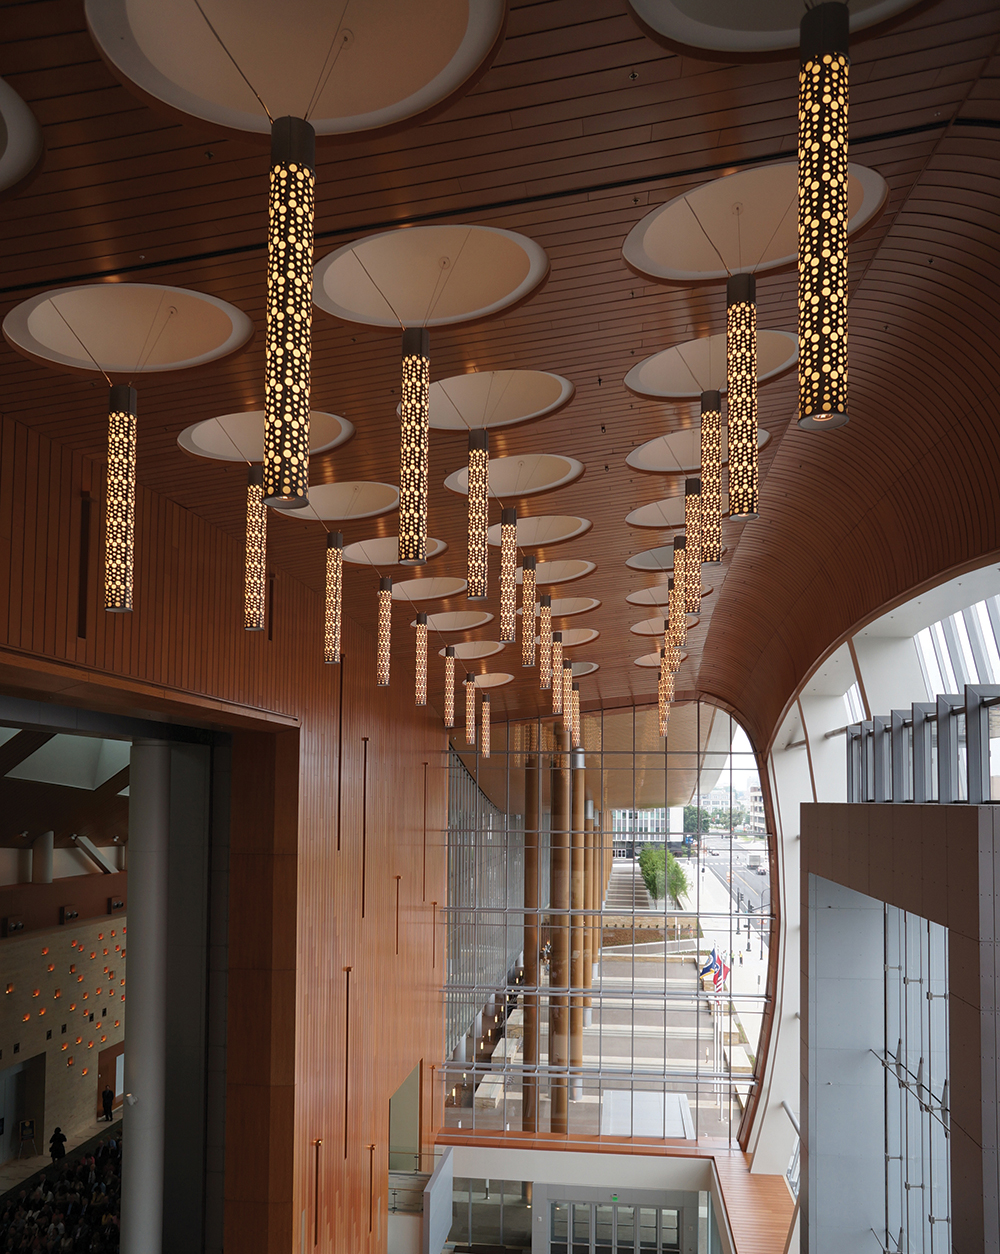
(585, 668)
(129, 329)
(572, 636)
(21, 142)
(746, 222)
(683, 371)
(74, 761)
(240, 437)
(736, 26)
(429, 276)
(475, 648)
(457, 620)
(338, 502)
(384, 551)
(650, 660)
(564, 571)
(495, 398)
(563, 607)
(679, 453)
(666, 513)
(941, 602)
(543, 529)
(434, 588)
(393, 60)
(521, 475)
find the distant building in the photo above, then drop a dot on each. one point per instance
(756, 821)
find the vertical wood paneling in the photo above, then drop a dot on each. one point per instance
(295, 917)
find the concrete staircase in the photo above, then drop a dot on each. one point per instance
(626, 890)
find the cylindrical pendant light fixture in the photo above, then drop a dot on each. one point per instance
(545, 640)
(420, 661)
(449, 686)
(673, 654)
(741, 394)
(692, 534)
(665, 691)
(479, 513)
(577, 730)
(484, 729)
(557, 661)
(255, 583)
(470, 709)
(414, 439)
(824, 66)
(384, 641)
(711, 477)
(676, 613)
(119, 518)
(334, 595)
(567, 694)
(680, 578)
(288, 333)
(528, 611)
(508, 576)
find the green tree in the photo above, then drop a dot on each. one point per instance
(652, 867)
(691, 819)
(677, 880)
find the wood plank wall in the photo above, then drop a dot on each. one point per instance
(295, 903)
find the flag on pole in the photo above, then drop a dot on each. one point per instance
(718, 968)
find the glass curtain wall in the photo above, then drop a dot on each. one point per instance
(634, 1005)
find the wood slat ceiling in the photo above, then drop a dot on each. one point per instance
(579, 128)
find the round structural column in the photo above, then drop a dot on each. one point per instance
(559, 969)
(145, 1057)
(578, 903)
(529, 1083)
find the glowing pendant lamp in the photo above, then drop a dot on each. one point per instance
(567, 694)
(824, 66)
(557, 661)
(528, 612)
(384, 641)
(484, 729)
(470, 709)
(449, 686)
(577, 730)
(288, 329)
(741, 394)
(479, 498)
(692, 534)
(711, 478)
(414, 440)
(255, 585)
(119, 553)
(334, 595)
(420, 661)
(508, 576)
(545, 641)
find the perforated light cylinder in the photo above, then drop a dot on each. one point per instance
(692, 533)
(255, 578)
(119, 551)
(384, 642)
(484, 726)
(711, 478)
(680, 580)
(470, 709)
(528, 612)
(577, 729)
(414, 439)
(334, 596)
(741, 394)
(824, 66)
(508, 576)
(479, 513)
(567, 694)
(673, 654)
(557, 661)
(676, 614)
(420, 661)
(545, 641)
(288, 312)
(449, 686)
(665, 691)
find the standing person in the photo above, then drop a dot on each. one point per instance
(108, 1098)
(57, 1145)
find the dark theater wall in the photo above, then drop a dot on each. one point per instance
(299, 790)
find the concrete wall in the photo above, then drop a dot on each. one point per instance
(66, 1000)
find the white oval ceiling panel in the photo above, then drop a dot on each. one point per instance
(338, 502)
(457, 620)
(585, 668)
(653, 659)
(745, 222)
(660, 558)
(523, 475)
(384, 551)
(475, 648)
(573, 636)
(496, 679)
(657, 595)
(129, 328)
(683, 372)
(559, 572)
(654, 626)
(435, 588)
(495, 398)
(21, 143)
(666, 513)
(735, 26)
(394, 60)
(544, 529)
(240, 437)
(679, 453)
(428, 276)
(563, 607)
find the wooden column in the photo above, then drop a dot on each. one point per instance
(590, 898)
(559, 967)
(578, 902)
(529, 1083)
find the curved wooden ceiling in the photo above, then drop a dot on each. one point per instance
(579, 128)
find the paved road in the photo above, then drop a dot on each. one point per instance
(745, 881)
